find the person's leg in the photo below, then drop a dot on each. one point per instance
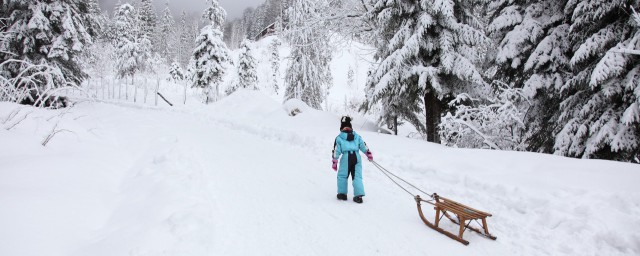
(358, 187)
(343, 174)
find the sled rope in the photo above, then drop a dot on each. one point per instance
(389, 174)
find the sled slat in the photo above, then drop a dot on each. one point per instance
(464, 215)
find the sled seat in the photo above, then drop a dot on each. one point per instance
(462, 215)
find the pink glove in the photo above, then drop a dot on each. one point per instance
(369, 156)
(334, 166)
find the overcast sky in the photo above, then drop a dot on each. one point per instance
(234, 8)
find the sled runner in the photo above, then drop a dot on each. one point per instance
(462, 215)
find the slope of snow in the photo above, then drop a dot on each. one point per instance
(242, 177)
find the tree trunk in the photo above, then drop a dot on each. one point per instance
(395, 125)
(432, 114)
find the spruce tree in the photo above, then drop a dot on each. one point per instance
(147, 18)
(600, 107)
(48, 33)
(166, 36)
(532, 53)
(274, 59)
(308, 75)
(427, 54)
(185, 40)
(211, 54)
(132, 47)
(247, 73)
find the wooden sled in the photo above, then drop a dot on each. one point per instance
(464, 216)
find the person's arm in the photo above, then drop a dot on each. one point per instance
(365, 149)
(335, 154)
(337, 151)
(363, 146)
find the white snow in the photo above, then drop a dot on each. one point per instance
(242, 177)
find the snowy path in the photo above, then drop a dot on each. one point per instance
(238, 179)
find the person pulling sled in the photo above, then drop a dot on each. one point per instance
(345, 148)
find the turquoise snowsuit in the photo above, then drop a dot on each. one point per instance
(347, 145)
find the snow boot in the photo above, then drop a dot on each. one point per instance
(358, 199)
(342, 197)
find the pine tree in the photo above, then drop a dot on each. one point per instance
(96, 28)
(308, 75)
(184, 45)
(427, 53)
(165, 44)
(600, 102)
(532, 54)
(247, 73)
(132, 47)
(147, 18)
(211, 54)
(274, 59)
(48, 33)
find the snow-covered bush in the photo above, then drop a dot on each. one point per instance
(37, 85)
(295, 107)
(495, 122)
(175, 72)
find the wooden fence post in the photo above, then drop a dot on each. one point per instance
(135, 93)
(157, 90)
(146, 89)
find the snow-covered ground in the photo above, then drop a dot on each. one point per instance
(234, 178)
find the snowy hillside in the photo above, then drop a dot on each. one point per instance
(234, 178)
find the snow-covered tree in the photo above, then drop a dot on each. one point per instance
(427, 52)
(247, 73)
(147, 18)
(49, 33)
(600, 107)
(274, 59)
(166, 39)
(308, 75)
(211, 54)
(131, 50)
(185, 41)
(532, 53)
